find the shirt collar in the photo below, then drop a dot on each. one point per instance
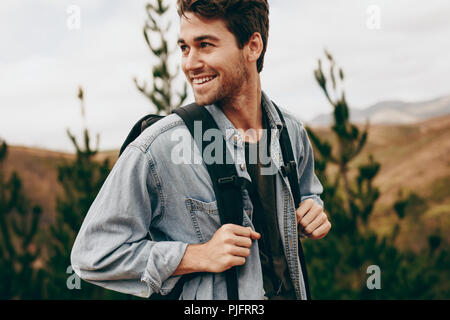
(229, 129)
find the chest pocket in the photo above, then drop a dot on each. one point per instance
(205, 217)
(206, 220)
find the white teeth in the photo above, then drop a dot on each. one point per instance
(202, 80)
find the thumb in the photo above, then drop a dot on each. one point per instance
(254, 235)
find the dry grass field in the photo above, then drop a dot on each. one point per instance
(414, 158)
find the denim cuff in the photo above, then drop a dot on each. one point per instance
(164, 259)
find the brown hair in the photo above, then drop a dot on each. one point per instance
(242, 18)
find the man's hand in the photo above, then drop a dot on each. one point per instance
(312, 220)
(228, 247)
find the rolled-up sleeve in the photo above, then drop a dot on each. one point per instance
(310, 186)
(112, 248)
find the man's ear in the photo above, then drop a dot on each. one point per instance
(254, 47)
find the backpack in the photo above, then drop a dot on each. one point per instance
(227, 185)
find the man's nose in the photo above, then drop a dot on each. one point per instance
(192, 61)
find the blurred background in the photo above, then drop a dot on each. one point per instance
(369, 79)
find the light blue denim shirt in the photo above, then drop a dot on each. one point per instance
(150, 208)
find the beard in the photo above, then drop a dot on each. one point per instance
(231, 85)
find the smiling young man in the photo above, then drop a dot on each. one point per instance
(154, 220)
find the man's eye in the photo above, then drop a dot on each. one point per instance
(184, 48)
(205, 44)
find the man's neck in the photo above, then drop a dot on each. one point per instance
(245, 112)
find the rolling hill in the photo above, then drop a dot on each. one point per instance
(414, 158)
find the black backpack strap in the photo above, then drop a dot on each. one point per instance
(137, 129)
(289, 169)
(226, 183)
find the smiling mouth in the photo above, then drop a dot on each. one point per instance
(203, 80)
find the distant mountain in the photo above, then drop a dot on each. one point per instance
(393, 112)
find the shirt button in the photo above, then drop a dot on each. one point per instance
(236, 137)
(243, 166)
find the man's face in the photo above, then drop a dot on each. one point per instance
(211, 60)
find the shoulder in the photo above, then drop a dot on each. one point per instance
(290, 117)
(294, 124)
(160, 135)
(297, 132)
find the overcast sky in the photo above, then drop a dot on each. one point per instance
(387, 49)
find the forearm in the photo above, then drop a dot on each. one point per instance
(140, 268)
(192, 261)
